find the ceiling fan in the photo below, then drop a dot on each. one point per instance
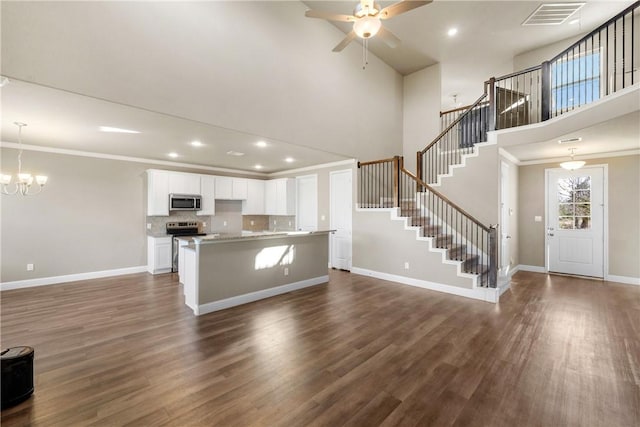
(366, 20)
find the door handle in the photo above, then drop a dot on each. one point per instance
(550, 234)
(507, 237)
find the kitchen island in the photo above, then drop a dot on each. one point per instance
(222, 271)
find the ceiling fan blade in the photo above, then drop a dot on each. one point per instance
(400, 7)
(344, 42)
(329, 16)
(388, 37)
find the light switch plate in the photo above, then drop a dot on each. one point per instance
(537, 218)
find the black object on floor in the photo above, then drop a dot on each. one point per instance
(17, 375)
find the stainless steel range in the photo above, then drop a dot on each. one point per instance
(181, 229)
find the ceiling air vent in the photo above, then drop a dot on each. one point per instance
(552, 13)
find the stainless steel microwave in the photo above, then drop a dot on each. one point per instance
(185, 202)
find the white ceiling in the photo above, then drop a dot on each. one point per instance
(70, 121)
(489, 36)
(617, 135)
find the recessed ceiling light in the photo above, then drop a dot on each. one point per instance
(235, 153)
(258, 166)
(289, 159)
(261, 144)
(575, 21)
(173, 155)
(452, 32)
(116, 130)
(197, 143)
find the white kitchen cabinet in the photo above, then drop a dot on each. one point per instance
(280, 197)
(208, 193)
(254, 204)
(159, 254)
(157, 193)
(184, 183)
(228, 188)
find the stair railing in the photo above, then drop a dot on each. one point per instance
(378, 183)
(454, 141)
(387, 184)
(452, 228)
(599, 64)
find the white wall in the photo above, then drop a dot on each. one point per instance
(545, 53)
(421, 112)
(258, 67)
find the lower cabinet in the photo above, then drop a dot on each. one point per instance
(159, 254)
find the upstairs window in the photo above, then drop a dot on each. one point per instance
(575, 81)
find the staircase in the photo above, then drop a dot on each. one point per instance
(595, 66)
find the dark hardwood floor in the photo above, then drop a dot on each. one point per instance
(556, 351)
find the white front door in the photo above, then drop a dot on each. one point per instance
(575, 221)
(307, 203)
(340, 220)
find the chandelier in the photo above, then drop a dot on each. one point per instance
(24, 180)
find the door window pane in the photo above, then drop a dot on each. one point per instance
(574, 209)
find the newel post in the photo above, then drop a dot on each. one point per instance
(419, 164)
(396, 181)
(545, 92)
(493, 256)
(492, 103)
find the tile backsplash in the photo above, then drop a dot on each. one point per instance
(228, 219)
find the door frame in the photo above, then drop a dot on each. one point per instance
(331, 174)
(605, 216)
(505, 217)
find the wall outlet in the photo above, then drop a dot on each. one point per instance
(275, 222)
(204, 224)
(148, 226)
(406, 265)
(224, 223)
(322, 217)
(29, 267)
(286, 271)
(289, 223)
(253, 222)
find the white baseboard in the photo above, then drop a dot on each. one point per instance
(19, 284)
(531, 268)
(482, 294)
(258, 295)
(623, 279)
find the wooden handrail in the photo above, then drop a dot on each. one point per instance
(455, 122)
(517, 73)
(375, 162)
(446, 199)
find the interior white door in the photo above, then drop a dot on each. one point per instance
(307, 203)
(341, 217)
(575, 221)
(505, 213)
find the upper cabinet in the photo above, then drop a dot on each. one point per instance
(228, 188)
(280, 196)
(157, 193)
(254, 204)
(184, 183)
(208, 193)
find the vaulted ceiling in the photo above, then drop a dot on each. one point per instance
(77, 65)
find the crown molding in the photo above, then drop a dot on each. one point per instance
(310, 168)
(583, 157)
(128, 159)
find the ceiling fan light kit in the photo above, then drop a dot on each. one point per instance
(367, 21)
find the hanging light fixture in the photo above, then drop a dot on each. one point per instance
(23, 180)
(572, 164)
